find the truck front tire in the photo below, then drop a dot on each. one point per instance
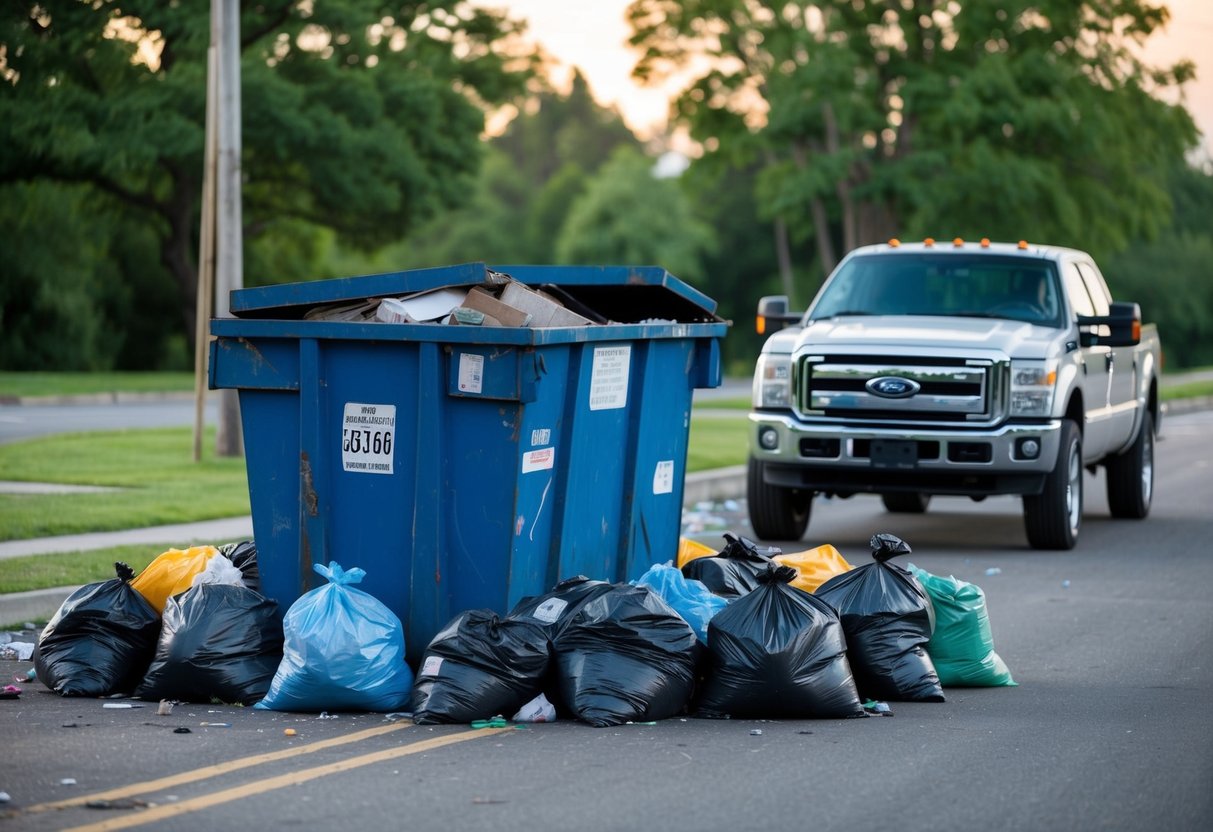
(776, 513)
(1131, 475)
(1053, 517)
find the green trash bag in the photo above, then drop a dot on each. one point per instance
(962, 646)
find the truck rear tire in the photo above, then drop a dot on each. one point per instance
(1131, 475)
(776, 513)
(906, 502)
(1053, 517)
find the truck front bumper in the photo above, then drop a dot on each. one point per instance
(843, 460)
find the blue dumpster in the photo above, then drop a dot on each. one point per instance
(466, 466)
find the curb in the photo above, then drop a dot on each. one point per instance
(97, 398)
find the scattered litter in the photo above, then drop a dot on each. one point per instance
(326, 715)
(164, 708)
(538, 709)
(123, 803)
(496, 722)
(993, 570)
(121, 706)
(874, 708)
(215, 724)
(395, 716)
(4, 797)
(755, 732)
(68, 781)
(487, 801)
(17, 651)
(290, 732)
(10, 692)
(1065, 584)
(69, 725)
(182, 730)
(30, 675)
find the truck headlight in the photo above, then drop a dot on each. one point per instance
(1032, 384)
(773, 381)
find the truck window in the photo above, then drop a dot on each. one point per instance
(1076, 290)
(1096, 288)
(966, 285)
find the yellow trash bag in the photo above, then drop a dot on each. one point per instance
(814, 566)
(689, 549)
(170, 573)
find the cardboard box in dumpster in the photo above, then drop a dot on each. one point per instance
(496, 313)
(543, 310)
(425, 306)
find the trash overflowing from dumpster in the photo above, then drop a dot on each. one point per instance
(441, 431)
(603, 653)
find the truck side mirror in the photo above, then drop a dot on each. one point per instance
(1121, 327)
(773, 314)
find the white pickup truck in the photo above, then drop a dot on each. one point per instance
(957, 368)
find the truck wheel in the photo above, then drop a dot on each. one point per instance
(1052, 517)
(906, 502)
(1131, 475)
(776, 513)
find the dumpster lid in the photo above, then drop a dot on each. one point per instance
(623, 294)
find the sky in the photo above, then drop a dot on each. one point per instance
(593, 36)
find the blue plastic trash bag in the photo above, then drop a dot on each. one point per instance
(343, 651)
(691, 599)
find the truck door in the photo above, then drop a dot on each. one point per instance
(1122, 371)
(1095, 373)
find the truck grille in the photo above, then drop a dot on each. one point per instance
(944, 391)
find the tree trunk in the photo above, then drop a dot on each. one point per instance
(176, 249)
(783, 254)
(821, 228)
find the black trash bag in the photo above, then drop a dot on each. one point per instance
(100, 641)
(734, 572)
(627, 656)
(554, 610)
(479, 666)
(778, 653)
(888, 620)
(243, 556)
(218, 641)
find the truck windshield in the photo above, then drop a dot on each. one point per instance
(977, 285)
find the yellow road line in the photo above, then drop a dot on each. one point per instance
(158, 813)
(215, 770)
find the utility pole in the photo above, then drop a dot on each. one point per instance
(229, 250)
(205, 296)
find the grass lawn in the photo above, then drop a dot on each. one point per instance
(73, 568)
(65, 384)
(159, 481)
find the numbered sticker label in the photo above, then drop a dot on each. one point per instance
(368, 437)
(471, 372)
(609, 377)
(663, 477)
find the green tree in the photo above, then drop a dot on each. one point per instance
(627, 216)
(1169, 276)
(1017, 118)
(359, 116)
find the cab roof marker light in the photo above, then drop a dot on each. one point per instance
(956, 241)
(1023, 245)
(985, 242)
(928, 242)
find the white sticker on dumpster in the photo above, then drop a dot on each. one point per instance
(609, 377)
(663, 477)
(538, 460)
(368, 436)
(471, 372)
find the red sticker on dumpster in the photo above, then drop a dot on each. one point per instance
(538, 460)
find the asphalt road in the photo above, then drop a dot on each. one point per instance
(1109, 727)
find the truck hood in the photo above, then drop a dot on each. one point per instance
(910, 333)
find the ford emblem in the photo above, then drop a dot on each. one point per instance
(892, 387)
